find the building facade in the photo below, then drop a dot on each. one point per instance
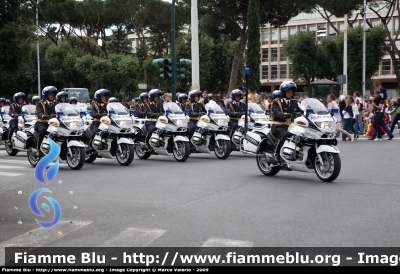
(275, 66)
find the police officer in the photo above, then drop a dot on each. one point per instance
(73, 100)
(113, 100)
(139, 106)
(8, 103)
(35, 99)
(196, 109)
(282, 110)
(152, 110)
(182, 101)
(99, 109)
(237, 108)
(62, 97)
(275, 95)
(2, 102)
(45, 109)
(15, 110)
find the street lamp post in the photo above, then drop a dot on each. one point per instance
(38, 45)
(364, 50)
(173, 53)
(195, 47)
(345, 58)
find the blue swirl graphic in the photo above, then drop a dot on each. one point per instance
(35, 209)
(45, 161)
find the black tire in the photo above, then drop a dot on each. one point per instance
(10, 150)
(181, 156)
(264, 166)
(226, 149)
(125, 159)
(90, 158)
(142, 154)
(32, 158)
(333, 157)
(80, 158)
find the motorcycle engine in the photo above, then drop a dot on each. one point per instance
(289, 154)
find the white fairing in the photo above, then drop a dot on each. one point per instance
(251, 142)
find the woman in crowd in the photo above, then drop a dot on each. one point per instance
(348, 115)
(331, 104)
(395, 111)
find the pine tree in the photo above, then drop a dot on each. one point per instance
(253, 46)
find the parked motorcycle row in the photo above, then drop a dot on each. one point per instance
(312, 147)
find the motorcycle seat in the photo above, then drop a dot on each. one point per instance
(274, 138)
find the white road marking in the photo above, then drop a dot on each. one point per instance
(15, 161)
(16, 167)
(10, 174)
(221, 242)
(41, 236)
(134, 237)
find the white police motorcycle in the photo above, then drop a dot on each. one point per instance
(66, 130)
(212, 133)
(312, 147)
(113, 139)
(170, 136)
(256, 118)
(22, 139)
(4, 120)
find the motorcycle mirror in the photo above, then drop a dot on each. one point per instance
(59, 114)
(111, 112)
(251, 111)
(210, 111)
(83, 113)
(310, 111)
(24, 113)
(227, 111)
(168, 111)
(132, 112)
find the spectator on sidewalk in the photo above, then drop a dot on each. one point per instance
(359, 126)
(347, 118)
(331, 104)
(379, 118)
(395, 111)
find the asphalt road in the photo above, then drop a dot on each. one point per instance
(209, 202)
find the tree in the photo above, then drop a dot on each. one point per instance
(253, 46)
(303, 52)
(230, 18)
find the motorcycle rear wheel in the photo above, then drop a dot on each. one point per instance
(10, 150)
(32, 158)
(90, 158)
(264, 166)
(142, 154)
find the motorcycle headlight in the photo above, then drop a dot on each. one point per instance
(222, 121)
(261, 119)
(180, 122)
(125, 123)
(76, 125)
(326, 125)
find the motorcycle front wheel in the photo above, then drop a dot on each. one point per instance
(32, 158)
(181, 151)
(329, 170)
(223, 150)
(10, 150)
(264, 166)
(77, 159)
(125, 157)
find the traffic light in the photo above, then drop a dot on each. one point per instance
(165, 68)
(180, 68)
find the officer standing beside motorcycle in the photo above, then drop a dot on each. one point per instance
(152, 110)
(62, 97)
(196, 108)
(139, 106)
(45, 109)
(282, 111)
(15, 110)
(237, 108)
(182, 101)
(99, 109)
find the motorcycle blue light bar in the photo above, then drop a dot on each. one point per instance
(210, 111)
(310, 111)
(168, 111)
(111, 112)
(335, 111)
(59, 114)
(227, 111)
(132, 112)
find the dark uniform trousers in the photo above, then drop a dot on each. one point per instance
(234, 121)
(195, 110)
(96, 110)
(41, 127)
(13, 124)
(151, 110)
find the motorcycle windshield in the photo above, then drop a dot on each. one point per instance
(30, 109)
(315, 105)
(66, 109)
(118, 108)
(255, 108)
(5, 109)
(80, 107)
(212, 105)
(173, 107)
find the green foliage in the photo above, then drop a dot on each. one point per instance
(253, 60)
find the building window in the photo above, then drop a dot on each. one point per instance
(376, 23)
(283, 71)
(303, 29)
(291, 71)
(265, 37)
(341, 26)
(274, 36)
(282, 55)
(274, 72)
(292, 31)
(264, 72)
(284, 35)
(396, 25)
(264, 55)
(332, 31)
(274, 54)
(386, 67)
(312, 28)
